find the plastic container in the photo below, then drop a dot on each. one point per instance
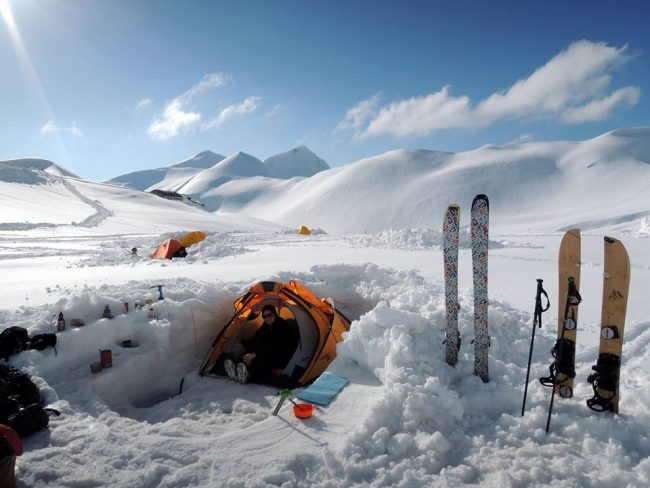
(106, 358)
(303, 410)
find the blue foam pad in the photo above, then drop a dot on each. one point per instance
(323, 390)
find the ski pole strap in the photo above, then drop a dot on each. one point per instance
(573, 295)
(604, 381)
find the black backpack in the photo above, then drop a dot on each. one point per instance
(18, 387)
(13, 340)
(28, 420)
(41, 341)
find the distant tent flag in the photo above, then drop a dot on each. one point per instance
(171, 248)
(304, 230)
(192, 238)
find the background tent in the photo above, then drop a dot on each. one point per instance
(321, 327)
(304, 230)
(171, 248)
(192, 238)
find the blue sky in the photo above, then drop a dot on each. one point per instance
(107, 87)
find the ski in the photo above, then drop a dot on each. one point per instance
(562, 371)
(616, 283)
(450, 229)
(480, 230)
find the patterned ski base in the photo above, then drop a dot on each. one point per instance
(616, 283)
(450, 229)
(569, 266)
(480, 231)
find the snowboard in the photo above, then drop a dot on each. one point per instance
(616, 284)
(480, 231)
(450, 231)
(562, 371)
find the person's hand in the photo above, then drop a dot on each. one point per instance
(248, 358)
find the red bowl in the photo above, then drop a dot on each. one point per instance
(303, 410)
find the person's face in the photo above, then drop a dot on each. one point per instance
(268, 316)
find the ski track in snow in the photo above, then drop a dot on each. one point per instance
(100, 214)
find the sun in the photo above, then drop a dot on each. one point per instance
(8, 16)
(23, 56)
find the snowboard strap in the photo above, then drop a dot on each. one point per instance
(563, 365)
(604, 381)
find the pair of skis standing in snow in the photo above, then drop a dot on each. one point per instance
(616, 283)
(479, 228)
(605, 379)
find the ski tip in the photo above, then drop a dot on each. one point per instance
(481, 198)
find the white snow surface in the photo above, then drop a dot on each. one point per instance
(406, 419)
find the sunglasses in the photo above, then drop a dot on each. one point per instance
(267, 315)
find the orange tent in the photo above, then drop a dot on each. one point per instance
(171, 248)
(304, 230)
(192, 238)
(321, 327)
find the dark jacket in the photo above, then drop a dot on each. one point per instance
(274, 344)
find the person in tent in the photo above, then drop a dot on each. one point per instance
(267, 352)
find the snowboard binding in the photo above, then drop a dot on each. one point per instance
(604, 381)
(562, 368)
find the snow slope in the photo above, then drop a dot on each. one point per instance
(168, 178)
(36, 199)
(32, 164)
(544, 186)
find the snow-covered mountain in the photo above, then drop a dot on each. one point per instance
(32, 164)
(169, 177)
(199, 174)
(240, 165)
(546, 185)
(35, 195)
(299, 161)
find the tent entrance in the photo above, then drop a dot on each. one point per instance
(248, 324)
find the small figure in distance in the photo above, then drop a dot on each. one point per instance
(267, 352)
(107, 313)
(134, 252)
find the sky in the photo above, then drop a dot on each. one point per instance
(104, 88)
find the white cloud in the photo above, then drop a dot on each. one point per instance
(173, 121)
(521, 139)
(142, 104)
(52, 127)
(207, 83)
(357, 116)
(601, 108)
(177, 118)
(247, 106)
(572, 87)
(277, 110)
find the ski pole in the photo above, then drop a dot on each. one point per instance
(571, 294)
(537, 321)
